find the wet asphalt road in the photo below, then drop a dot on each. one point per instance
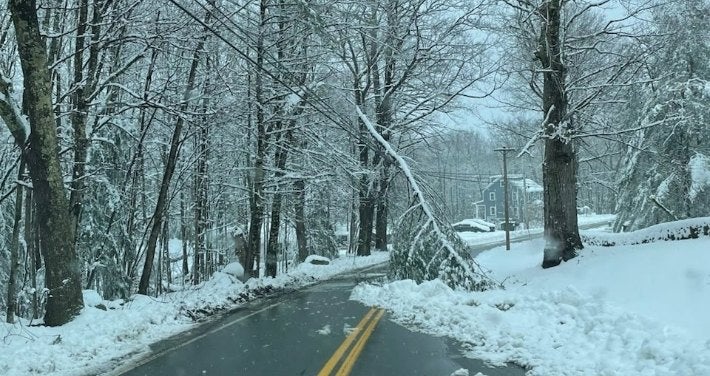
(296, 334)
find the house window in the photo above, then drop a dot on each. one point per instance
(501, 182)
(492, 210)
(492, 196)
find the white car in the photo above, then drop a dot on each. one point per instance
(473, 225)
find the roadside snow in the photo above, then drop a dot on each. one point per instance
(477, 238)
(97, 338)
(662, 231)
(627, 310)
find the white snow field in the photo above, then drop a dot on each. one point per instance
(624, 310)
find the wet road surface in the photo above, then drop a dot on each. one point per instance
(297, 333)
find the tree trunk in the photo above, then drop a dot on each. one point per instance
(162, 202)
(63, 268)
(200, 267)
(183, 236)
(166, 251)
(272, 248)
(78, 118)
(299, 187)
(366, 206)
(15, 250)
(382, 213)
(560, 165)
(256, 202)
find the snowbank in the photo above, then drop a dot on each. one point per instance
(691, 228)
(631, 310)
(96, 337)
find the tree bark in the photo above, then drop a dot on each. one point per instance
(183, 236)
(559, 171)
(201, 266)
(15, 250)
(272, 248)
(366, 206)
(33, 254)
(78, 118)
(63, 268)
(256, 202)
(299, 187)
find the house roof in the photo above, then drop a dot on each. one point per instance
(517, 181)
(529, 185)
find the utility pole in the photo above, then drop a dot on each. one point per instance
(505, 151)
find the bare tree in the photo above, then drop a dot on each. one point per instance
(160, 206)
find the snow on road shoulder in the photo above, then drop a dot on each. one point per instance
(97, 337)
(631, 310)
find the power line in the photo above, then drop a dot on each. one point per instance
(304, 96)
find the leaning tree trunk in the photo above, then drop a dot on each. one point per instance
(63, 269)
(559, 173)
(162, 202)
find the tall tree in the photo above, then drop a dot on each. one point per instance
(175, 142)
(559, 173)
(63, 268)
(668, 157)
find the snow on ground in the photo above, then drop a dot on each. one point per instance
(97, 337)
(625, 310)
(499, 236)
(673, 230)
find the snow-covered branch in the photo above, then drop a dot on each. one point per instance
(10, 113)
(432, 251)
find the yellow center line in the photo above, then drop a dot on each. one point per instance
(333, 361)
(349, 362)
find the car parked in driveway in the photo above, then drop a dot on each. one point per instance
(474, 225)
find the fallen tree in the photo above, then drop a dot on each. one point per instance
(425, 248)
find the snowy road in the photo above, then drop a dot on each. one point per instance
(479, 242)
(297, 333)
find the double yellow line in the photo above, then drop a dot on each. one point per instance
(362, 333)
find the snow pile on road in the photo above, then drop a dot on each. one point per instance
(683, 229)
(98, 338)
(631, 310)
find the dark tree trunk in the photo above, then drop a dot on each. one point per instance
(15, 250)
(300, 218)
(183, 236)
(559, 178)
(166, 251)
(366, 214)
(162, 202)
(272, 248)
(201, 266)
(382, 212)
(63, 268)
(33, 255)
(366, 207)
(256, 202)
